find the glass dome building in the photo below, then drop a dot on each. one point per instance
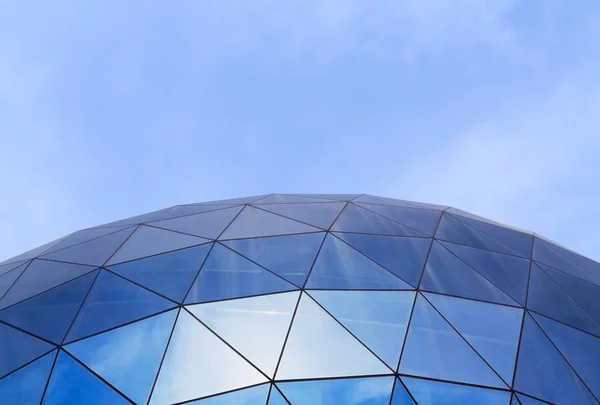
(300, 300)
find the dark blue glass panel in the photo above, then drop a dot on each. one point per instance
(26, 386)
(525, 400)
(543, 373)
(446, 273)
(42, 275)
(291, 256)
(253, 222)
(371, 199)
(8, 267)
(18, 348)
(94, 252)
(592, 268)
(493, 330)
(547, 298)
(185, 210)
(401, 395)
(548, 254)
(321, 215)
(508, 273)
(338, 266)
(207, 224)
(424, 221)
(581, 350)
(71, 383)
(454, 230)
(169, 274)
(50, 314)
(438, 393)
(249, 396)
(276, 398)
(9, 278)
(114, 301)
(351, 391)
(226, 275)
(84, 236)
(378, 318)
(287, 199)
(148, 241)
(405, 257)
(359, 220)
(128, 357)
(433, 349)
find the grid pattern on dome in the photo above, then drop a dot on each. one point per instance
(300, 300)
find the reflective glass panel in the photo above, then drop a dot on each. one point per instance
(8, 279)
(401, 395)
(18, 348)
(371, 199)
(359, 220)
(185, 210)
(320, 215)
(207, 224)
(248, 396)
(84, 236)
(546, 253)
(439, 393)
(26, 386)
(275, 398)
(286, 199)
(424, 221)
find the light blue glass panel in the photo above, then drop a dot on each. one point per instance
(235, 201)
(581, 350)
(275, 398)
(371, 199)
(189, 209)
(424, 221)
(590, 266)
(128, 357)
(401, 395)
(543, 373)
(287, 199)
(405, 257)
(248, 396)
(319, 347)
(428, 392)
(226, 274)
(446, 273)
(170, 274)
(339, 266)
(26, 386)
(8, 267)
(358, 220)
(256, 327)
(337, 197)
(320, 215)
(198, 364)
(378, 318)
(50, 314)
(138, 219)
(207, 224)
(525, 400)
(148, 241)
(253, 222)
(84, 236)
(114, 301)
(433, 349)
(508, 273)
(545, 252)
(352, 391)
(8, 279)
(30, 254)
(493, 330)
(71, 383)
(291, 256)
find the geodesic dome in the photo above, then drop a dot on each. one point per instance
(300, 300)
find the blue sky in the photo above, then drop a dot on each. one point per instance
(109, 109)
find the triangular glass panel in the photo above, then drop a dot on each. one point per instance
(253, 222)
(508, 273)
(424, 221)
(42, 275)
(434, 350)
(30, 254)
(547, 298)
(275, 398)
(94, 252)
(447, 274)
(319, 347)
(371, 199)
(427, 392)
(50, 314)
(405, 257)
(84, 236)
(590, 266)
(291, 257)
(136, 220)
(358, 220)
(128, 357)
(198, 364)
(581, 350)
(377, 318)
(8, 267)
(286, 199)
(347, 391)
(321, 215)
(493, 330)
(149, 241)
(18, 348)
(256, 327)
(8, 279)
(185, 210)
(208, 224)
(71, 383)
(515, 400)
(546, 253)
(226, 275)
(401, 395)
(248, 396)
(452, 229)
(337, 197)
(26, 386)
(235, 201)
(170, 274)
(543, 372)
(114, 301)
(525, 400)
(340, 267)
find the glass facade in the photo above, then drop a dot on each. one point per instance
(300, 300)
